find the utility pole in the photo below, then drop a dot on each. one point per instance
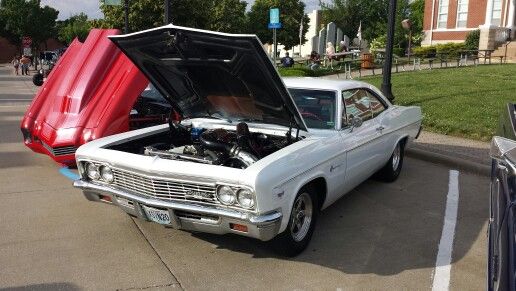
(126, 9)
(168, 14)
(387, 66)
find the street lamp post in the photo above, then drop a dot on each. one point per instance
(168, 15)
(126, 10)
(387, 66)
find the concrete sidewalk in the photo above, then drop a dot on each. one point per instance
(15, 89)
(462, 153)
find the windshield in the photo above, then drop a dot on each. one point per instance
(317, 107)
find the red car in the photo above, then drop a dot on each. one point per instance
(94, 90)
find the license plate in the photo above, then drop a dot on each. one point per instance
(157, 215)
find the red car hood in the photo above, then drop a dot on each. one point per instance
(88, 94)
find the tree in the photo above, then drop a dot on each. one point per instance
(417, 13)
(291, 13)
(348, 14)
(143, 14)
(28, 18)
(218, 15)
(75, 26)
(228, 16)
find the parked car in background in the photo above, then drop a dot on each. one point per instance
(502, 218)
(253, 155)
(90, 93)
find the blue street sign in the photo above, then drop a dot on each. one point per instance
(274, 25)
(274, 15)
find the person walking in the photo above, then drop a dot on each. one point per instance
(25, 62)
(16, 64)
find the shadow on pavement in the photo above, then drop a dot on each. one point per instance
(382, 228)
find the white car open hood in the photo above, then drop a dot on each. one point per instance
(203, 73)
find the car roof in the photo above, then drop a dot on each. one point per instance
(321, 83)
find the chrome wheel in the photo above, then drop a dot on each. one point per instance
(396, 157)
(301, 216)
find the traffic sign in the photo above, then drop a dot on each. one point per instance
(274, 25)
(274, 16)
(26, 41)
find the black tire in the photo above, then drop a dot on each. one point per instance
(37, 79)
(296, 238)
(391, 170)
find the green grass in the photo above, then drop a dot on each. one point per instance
(463, 102)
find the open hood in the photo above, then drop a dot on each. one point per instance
(205, 73)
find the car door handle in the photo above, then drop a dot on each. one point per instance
(380, 128)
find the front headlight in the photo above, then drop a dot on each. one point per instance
(226, 195)
(92, 171)
(106, 174)
(245, 198)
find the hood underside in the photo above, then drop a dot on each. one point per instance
(205, 73)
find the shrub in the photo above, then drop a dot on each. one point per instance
(472, 40)
(400, 52)
(294, 72)
(451, 49)
(425, 51)
(378, 43)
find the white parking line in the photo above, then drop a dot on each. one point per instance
(444, 255)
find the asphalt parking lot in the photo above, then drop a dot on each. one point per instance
(378, 237)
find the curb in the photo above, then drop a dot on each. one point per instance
(465, 165)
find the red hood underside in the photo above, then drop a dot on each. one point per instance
(89, 94)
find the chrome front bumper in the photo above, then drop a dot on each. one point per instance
(188, 216)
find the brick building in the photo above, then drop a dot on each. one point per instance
(452, 20)
(8, 50)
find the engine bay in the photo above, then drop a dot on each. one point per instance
(238, 148)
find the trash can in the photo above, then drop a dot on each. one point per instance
(367, 61)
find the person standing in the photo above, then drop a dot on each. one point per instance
(25, 62)
(16, 64)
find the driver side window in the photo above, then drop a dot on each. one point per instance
(359, 103)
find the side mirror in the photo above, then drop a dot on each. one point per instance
(356, 122)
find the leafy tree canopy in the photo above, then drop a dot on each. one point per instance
(348, 14)
(221, 15)
(75, 26)
(291, 13)
(27, 18)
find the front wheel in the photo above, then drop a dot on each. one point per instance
(37, 79)
(391, 171)
(300, 226)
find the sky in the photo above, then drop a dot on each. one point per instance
(68, 8)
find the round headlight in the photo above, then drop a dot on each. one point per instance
(226, 195)
(245, 198)
(92, 171)
(106, 174)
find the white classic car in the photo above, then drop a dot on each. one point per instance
(253, 154)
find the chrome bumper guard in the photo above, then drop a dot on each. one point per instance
(188, 216)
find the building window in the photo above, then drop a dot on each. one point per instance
(462, 13)
(496, 18)
(442, 17)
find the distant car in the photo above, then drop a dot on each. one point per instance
(502, 216)
(254, 154)
(93, 91)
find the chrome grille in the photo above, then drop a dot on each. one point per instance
(60, 151)
(164, 189)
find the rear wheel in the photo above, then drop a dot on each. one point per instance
(391, 171)
(300, 225)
